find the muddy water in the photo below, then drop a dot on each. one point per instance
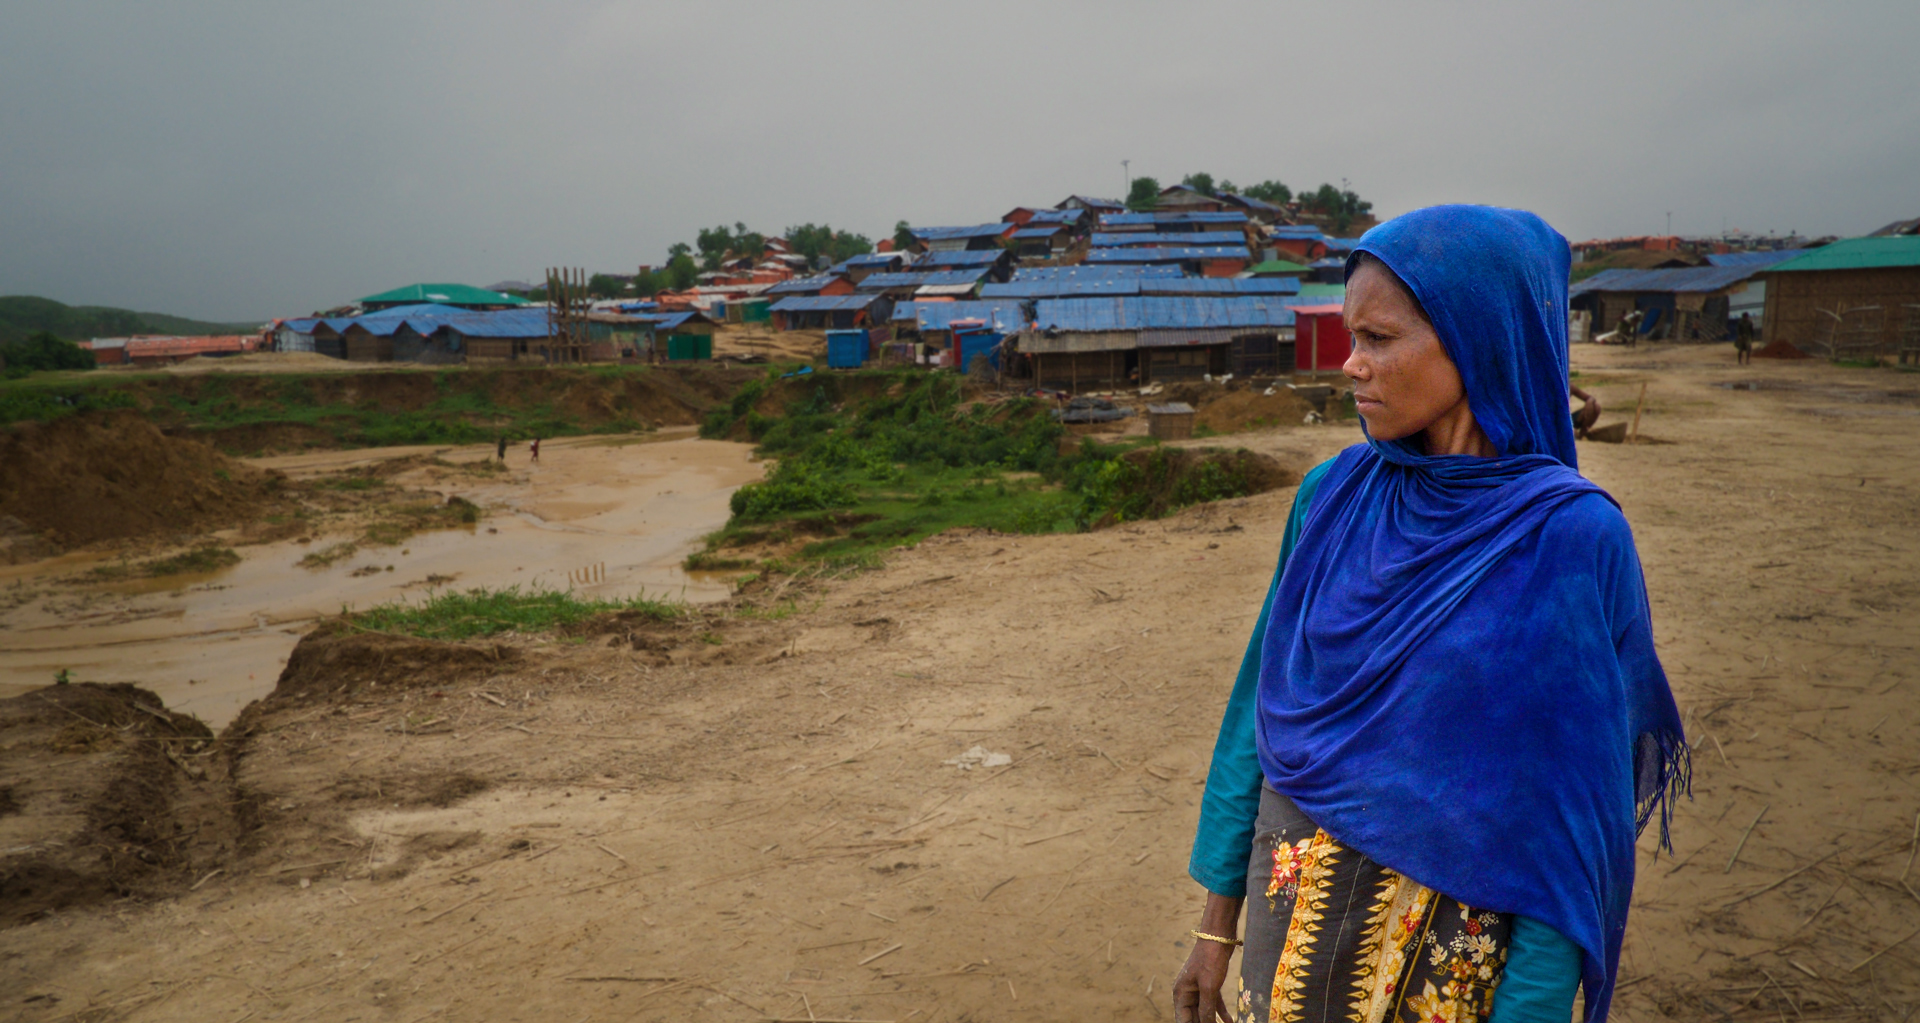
(603, 517)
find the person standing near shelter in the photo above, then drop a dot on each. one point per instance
(1450, 725)
(1743, 340)
(501, 451)
(536, 449)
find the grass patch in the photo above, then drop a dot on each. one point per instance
(350, 483)
(327, 555)
(872, 461)
(466, 614)
(200, 559)
(346, 410)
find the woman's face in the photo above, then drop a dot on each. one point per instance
(1403, 380)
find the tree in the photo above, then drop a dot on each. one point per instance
(681, 272)
(43, 351)
(678, 249)
(719, 243)
(817, 240)
(605, 286)
(1343, 206)
(1268, 191)
(1144, 195)
(1202, 183)
(902, 237)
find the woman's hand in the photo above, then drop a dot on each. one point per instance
(1196, 990)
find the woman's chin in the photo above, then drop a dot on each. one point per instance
(1383, 427)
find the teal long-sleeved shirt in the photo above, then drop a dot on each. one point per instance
(1543, 967)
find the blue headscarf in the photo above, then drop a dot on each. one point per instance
(1458, 678)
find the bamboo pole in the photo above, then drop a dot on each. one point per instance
(1633, 432)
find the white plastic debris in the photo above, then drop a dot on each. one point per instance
(979, 756)
(1268, 393)
(1312, 418)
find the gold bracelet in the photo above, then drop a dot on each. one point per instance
(1216, 937)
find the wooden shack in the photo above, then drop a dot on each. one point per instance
(1172, 421)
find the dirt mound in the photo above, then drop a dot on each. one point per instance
(1779, 350)
(1250, 410)
(103, 793)
(113, 475)
(334, 665)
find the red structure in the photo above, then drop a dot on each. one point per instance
(1321, 342)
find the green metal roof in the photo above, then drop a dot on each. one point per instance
(1856, 254)
(1337, 292)
(445, 294)
(1278, 266)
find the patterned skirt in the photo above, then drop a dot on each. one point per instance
(1332, 935)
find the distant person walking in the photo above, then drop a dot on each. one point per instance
(501, 453)
(536, 449)
(1743, 340)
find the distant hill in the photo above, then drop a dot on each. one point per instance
(21, 315)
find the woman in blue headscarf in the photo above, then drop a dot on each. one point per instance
(1450, 726)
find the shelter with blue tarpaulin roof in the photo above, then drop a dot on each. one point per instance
(1106, 239)
(978, 236)
(996, 262)
(1175, 221)
(831, 312)
(1144, 339)
(1201, 260)
(1681, 303)
(901, 286)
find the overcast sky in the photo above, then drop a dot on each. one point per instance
(237, 160)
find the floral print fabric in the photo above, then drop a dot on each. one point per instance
(1333, 936)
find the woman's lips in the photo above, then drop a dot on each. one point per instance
(1363, 401)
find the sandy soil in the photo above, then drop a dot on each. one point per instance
(759, 816)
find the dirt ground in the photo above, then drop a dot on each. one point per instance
(963, 787)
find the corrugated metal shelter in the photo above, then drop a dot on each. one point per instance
(1042, 241)
(462, 295)
(1071, 218)
(166, 351)
(830, 312)
(818, 284)
(1187, 197)
(1322, 342)
(1259, 209)
(109, 351)
(1087, 202)
(1855, 297)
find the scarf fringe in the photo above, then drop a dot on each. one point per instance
(1676, 780)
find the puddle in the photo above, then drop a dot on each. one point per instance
(1832, 393)
(602, 519)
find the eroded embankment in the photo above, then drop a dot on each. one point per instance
(114, 475)
(253, 414)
